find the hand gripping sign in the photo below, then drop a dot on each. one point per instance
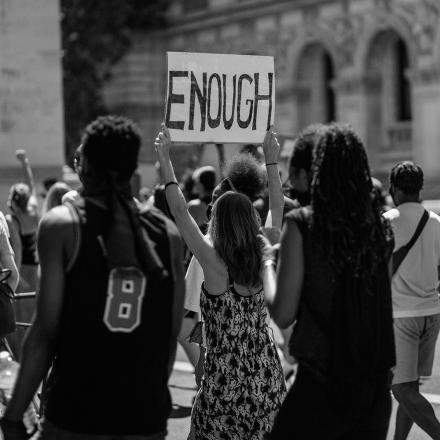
(219, 98)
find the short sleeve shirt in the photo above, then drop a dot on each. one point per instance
(414, 285)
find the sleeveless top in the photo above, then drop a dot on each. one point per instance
(28, 245)
(318, 342)
(110, 380)
(243, 383)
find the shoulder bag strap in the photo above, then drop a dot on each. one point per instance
(401, 253)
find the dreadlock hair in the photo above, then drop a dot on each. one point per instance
(111, 144)
(302, 153)
(407, 176)
(347, 225)
(234, 229)
(246, 175)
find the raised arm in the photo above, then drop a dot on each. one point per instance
(271, 149)
(196, 241)
(27, 171)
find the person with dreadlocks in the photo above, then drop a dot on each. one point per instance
(243, 383)
(109, 307)
(333, 280)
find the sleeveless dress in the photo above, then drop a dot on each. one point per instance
(243, 384)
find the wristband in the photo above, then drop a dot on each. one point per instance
(272, 163)
(171, 183)
(269, 262)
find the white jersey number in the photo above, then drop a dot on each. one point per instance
(125, 294)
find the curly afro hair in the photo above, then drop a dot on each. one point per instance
(111, 144)
(246, 175)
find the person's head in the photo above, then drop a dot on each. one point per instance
(48, 182)
(55, 195)
(19, 196)
(204, 181)
(300, 161)
(246, 176)
(109, 148)
(406, 182)
(346, 217)
(233, 229)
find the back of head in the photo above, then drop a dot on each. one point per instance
(301, 157)
(346, 217)
(19, 195)
(350, 235)
(234, 230)
(246, 175)
(111, 146)
(408, 177)
(55, 195)
(206, 176)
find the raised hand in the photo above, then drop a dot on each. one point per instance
(163, 142)
(21, 155)
(271, 147)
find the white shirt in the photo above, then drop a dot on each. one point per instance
(193, 283)
(414, 285)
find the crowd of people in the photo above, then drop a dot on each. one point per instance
(304, 304)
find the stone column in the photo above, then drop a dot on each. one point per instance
(426, 118)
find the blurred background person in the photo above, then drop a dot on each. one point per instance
(54, 196)
(23, 220)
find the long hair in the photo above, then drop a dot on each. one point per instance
(347, 224)
(234, 230)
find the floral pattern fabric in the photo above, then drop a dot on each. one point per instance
(243, 384)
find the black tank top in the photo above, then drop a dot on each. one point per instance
(28, 245)
(105, 379)
(317, 336)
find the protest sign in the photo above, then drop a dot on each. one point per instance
(218, 98)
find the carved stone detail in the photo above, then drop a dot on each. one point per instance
(424, 16)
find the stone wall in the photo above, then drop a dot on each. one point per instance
(298, 34)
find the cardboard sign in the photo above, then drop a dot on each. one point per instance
(216, 98)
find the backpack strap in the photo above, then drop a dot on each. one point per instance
(401, 253)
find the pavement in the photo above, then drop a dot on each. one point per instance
(183, 389)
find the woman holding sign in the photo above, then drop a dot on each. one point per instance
(243, 384)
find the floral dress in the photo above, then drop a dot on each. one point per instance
(243, 384)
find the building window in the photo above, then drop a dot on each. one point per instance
(403, 92)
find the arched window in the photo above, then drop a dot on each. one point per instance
(315, 95)
(389, 113)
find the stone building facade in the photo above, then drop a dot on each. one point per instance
(31, 109)
(374, 64)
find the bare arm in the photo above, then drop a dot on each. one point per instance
(196, 241)
(271, 149)
(27, 171)
(38, 348)
(283, 295)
